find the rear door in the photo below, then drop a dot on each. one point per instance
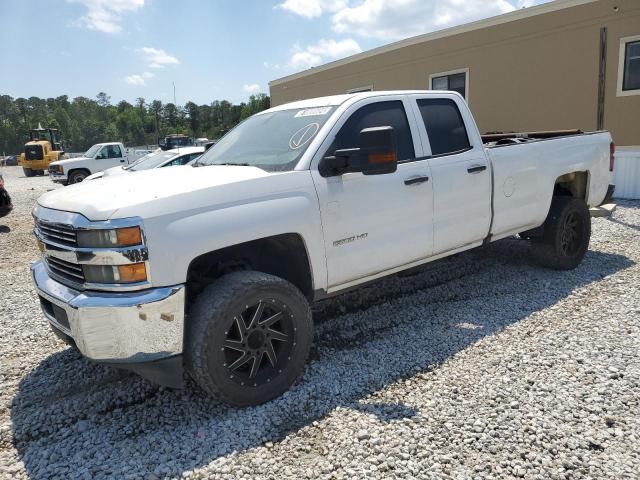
(373, 223)
(460, 170)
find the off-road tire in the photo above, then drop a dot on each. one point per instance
(209, 322)
(28, 172)
(77, 176)
(568, 217)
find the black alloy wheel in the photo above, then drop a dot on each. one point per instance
(258, 342)
(248, 335)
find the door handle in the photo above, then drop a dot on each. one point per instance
(476, 168)
(122, 161)
(416, 180)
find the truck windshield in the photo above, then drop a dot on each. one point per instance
(92, 151)
(272, 141)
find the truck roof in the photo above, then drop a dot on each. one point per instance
(335, 100)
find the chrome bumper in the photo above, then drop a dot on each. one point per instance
(57, 178)
(126, 327)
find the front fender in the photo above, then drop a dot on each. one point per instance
(174, 242)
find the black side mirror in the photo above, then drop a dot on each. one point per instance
(375, 156)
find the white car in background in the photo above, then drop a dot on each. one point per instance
(157, 159)
(98, 158)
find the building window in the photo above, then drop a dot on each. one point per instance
(456, 80)
(368, 88)
(629, 67)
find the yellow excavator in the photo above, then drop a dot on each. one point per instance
(44, 146)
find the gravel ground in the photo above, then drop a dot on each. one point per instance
(482, 366)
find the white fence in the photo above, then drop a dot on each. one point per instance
(626, 173)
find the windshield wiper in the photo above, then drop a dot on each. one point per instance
(234, 164)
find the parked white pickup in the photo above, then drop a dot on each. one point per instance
(97, 159)
(211, 266)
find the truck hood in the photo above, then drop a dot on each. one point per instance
(155, 191)
(70, 161)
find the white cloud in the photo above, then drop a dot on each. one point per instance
(158, 58)
(271, 66)
(106, 15)
(396, 19)
(138, 80)
(322, 52)
(312, 8)
(252, 89)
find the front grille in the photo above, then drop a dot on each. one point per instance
(53, 169)
(58, 233)
(67, 270)
(33, 152)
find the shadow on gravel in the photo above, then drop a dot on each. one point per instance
(4, 229)
(624, 224)
(75, 419)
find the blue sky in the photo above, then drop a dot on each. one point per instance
(214, 49)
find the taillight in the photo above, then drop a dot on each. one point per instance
(612, 156)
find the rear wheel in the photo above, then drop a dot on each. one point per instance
(248, 337)
(77, 176)
(28, 172)
(567, 231)
(40, 172)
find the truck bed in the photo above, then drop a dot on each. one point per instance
(525, 173)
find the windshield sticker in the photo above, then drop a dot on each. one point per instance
(303, 136)
(313, 112)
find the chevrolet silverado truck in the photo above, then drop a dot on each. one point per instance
(210, 268)
(98, 158)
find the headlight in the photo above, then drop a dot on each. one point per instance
(134, 273)
(118, 237)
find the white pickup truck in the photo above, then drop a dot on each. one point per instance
(98, 158)
(210, 267)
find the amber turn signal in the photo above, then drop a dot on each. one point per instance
(382, 158)
(133, 273)
(129, 236)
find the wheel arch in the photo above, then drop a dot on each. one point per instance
(77, 169)
(574, 184)
(285, 256)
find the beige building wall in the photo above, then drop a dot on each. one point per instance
(536, 73)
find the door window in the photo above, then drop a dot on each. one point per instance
(114, 151)
(445, 126)
(380, 114)
(103, 153)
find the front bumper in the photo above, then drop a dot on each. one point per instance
(58, 177)
(142, 331)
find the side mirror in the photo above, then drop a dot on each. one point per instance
(376, 155)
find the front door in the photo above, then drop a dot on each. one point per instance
(373, 223)
(110, 156)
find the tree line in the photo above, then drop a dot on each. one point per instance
(84, 121)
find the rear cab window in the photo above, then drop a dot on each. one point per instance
(445, 126)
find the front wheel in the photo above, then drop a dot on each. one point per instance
(248, 337)
(567, 231)
(77, 176)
